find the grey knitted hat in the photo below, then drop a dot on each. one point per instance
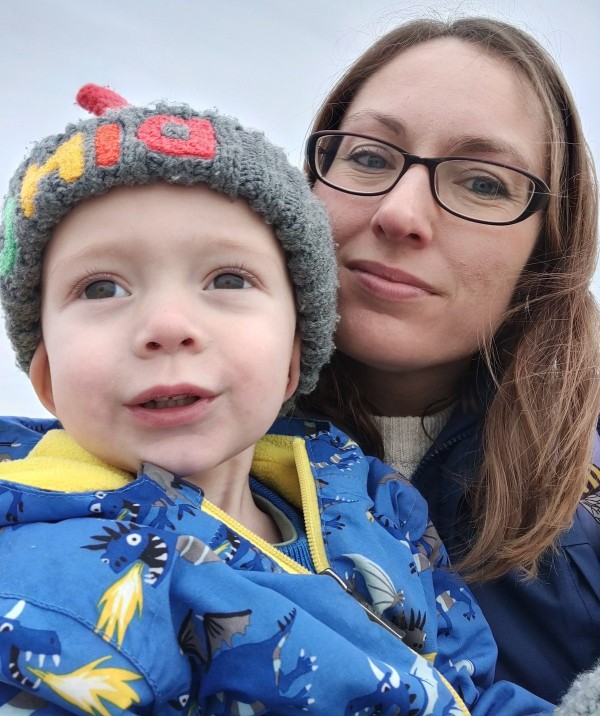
(129, 145)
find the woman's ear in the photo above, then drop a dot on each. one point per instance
(294, 372)
(41, 380)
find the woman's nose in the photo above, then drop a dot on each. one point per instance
(406, 211)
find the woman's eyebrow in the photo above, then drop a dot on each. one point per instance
(462, 144)
(386, 120)
(481, 145)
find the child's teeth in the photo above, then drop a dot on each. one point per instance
(175, 401)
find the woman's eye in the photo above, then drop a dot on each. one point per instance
(104, 288)
(368, 159)
(488, 187)
(228, 281)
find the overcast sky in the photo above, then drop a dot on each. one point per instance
(269, 62)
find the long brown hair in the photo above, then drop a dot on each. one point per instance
(545, 358)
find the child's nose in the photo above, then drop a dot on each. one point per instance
(170, 345)
(169, 331)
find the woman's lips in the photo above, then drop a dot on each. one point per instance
(388, 282)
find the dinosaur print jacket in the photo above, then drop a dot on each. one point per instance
(138, 596)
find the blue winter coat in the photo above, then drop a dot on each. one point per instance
(547, 630)
(145, 598)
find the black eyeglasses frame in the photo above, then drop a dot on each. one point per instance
(539, 197)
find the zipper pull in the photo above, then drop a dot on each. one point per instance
(368, 608)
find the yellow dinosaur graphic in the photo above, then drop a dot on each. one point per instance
(120, 603)
(85, 687)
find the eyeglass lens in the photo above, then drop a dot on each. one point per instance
(474, 189)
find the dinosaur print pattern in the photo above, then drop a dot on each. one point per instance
(163, 492)
(129, 543)
(144, 599)
(240, 553)
(86, 688)
(18, 644)
(212, 650)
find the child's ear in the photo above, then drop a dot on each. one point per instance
(294, 372)
(41, 380)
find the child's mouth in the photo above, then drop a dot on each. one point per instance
(171, 401)
(174, 405)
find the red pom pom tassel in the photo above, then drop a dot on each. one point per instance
(97, 100)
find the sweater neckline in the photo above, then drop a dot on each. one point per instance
(406, 439)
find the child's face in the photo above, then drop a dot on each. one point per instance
(169, 329)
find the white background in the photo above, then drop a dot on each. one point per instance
(269, 62)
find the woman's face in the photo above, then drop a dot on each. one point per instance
(421, 289)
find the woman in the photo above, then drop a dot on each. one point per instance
(465, 303)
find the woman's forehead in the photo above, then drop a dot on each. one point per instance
(446, 73)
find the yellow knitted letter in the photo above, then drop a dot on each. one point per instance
(67, 160)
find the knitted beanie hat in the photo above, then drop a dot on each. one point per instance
(127, 145)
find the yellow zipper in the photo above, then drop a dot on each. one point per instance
(286, 563)
(310, 510)
(459, 702)
(310, 505)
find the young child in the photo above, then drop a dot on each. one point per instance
(168, 282)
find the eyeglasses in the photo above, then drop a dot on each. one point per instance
(482, 191)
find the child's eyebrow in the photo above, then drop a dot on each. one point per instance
(113, 249)
(234, 244)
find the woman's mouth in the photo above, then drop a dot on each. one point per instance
(388, 283)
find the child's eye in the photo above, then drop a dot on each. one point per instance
(228, 281)
(104, 288)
